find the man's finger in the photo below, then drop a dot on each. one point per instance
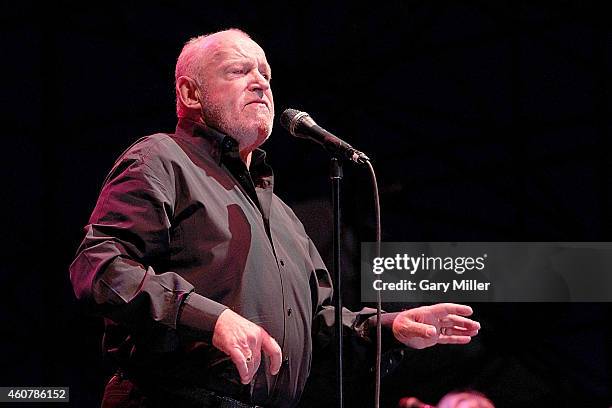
(273, 350)
(443, 309)
(454, 339)
(454, 320)
(255, 361)
(407, 329)
(240, 362)
(458, 331)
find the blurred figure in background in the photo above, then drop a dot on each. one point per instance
(454, 399)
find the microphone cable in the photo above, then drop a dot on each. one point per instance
(378, 298)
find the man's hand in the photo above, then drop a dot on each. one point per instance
(443, 323)
(243, 341)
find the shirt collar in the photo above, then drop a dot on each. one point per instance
(221, 146)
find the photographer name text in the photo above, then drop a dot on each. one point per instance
(428, 285)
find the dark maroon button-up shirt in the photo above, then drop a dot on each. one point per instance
(181, 231)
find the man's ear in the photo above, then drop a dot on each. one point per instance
(188, 93)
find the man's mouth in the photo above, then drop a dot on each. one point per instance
(259, 103)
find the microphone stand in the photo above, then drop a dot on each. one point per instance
(300, 124)
(336, 178)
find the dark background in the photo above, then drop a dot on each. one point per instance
(488, 121)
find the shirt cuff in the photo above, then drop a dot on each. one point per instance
(200, 314)
(388, 338)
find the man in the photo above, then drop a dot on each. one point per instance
(208, 282)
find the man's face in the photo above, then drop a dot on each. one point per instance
(235, 82)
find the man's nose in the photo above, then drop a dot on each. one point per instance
(258, 82)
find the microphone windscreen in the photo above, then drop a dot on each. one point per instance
(287, 117)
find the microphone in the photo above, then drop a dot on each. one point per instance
(300, 124)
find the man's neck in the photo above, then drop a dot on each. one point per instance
(244, 155)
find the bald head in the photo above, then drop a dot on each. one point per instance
(194, 55)
(223, 80)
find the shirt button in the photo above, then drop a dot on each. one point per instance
(286, 360)
(289, 311)
(282, 262)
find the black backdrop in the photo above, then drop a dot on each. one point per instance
(486, 120)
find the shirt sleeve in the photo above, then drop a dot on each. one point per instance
(359, 329)
(127, 234)
(361, 324)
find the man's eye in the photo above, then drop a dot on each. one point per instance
(237, 71)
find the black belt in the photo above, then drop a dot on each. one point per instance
(202, 398)
(225, 402)
(191, 396)
(220, 401)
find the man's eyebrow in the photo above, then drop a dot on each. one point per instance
(236, 60)
(232, 60)
(241, 60)
(266, 67)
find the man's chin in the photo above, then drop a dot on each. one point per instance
(262, 130)
(251, 140)
(262, 136)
